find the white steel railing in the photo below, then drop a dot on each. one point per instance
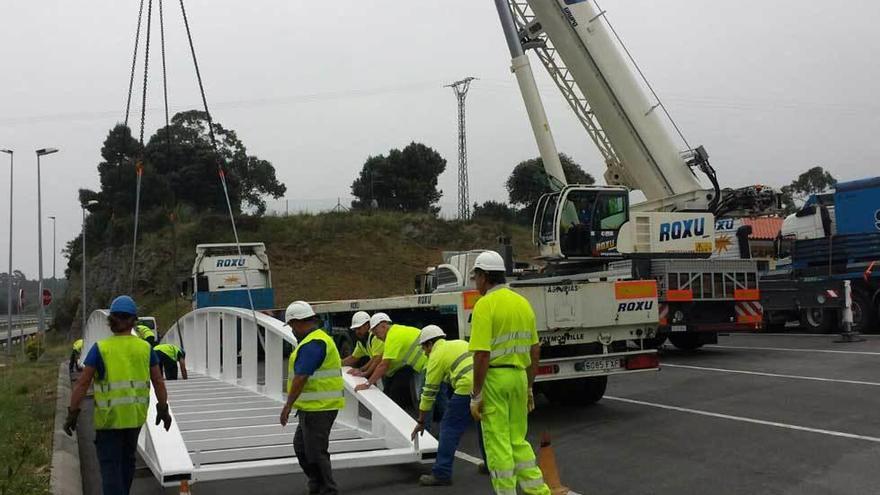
(216, 339)
(235, 346)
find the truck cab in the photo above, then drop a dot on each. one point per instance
(222, 277)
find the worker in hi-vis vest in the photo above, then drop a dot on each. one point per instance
(75, 353)
(403, 362)
(170, 357)
(450, 368)
(122, 366)
(146, 333)
(315, 390)
(367, 347)
(504, 340)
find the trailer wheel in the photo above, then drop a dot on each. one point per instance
(817, 320)
(576, 392)
(864, 315)
(686, 341)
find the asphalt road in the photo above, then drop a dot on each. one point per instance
(756, 414)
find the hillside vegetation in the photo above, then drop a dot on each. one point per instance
(312, 257)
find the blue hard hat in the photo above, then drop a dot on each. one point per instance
(124, 304)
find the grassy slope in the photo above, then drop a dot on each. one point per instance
(27, 412)
(334, 256)
(353, 256)
(313, 257)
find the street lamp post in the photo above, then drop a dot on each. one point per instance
(83, 302)
(41, 326)
(54, 282)
(9, 280)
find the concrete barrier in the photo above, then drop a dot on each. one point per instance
(66, 478)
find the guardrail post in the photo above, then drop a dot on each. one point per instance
(848, 335)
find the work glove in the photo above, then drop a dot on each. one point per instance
(477, 407)
(70, 422)
(531, 400)
(162, 416)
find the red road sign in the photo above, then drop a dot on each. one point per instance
(47, 297)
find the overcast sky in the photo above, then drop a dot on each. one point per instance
(770, 88)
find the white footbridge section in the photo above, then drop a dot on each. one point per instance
(226, 415)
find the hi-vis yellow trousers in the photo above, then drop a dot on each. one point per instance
(509, 456)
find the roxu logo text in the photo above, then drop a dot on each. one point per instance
(230, 262)
(682, 229)
(635, 306)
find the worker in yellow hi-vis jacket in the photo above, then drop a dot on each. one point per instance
(449, 365)
(504, 340)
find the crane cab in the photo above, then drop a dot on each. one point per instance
(580, 222)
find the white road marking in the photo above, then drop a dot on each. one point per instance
(476, 461)
(743, 419)
(762, 334)
(773, 375)
(786, 349)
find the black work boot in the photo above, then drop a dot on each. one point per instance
(431, 480)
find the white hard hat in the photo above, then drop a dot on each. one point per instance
(378, 318)
(430, 332)
(490, 261)
(359, 319)
(298, 310)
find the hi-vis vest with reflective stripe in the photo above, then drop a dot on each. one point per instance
(122, 395)
(374, 347)
(170, 350)
(323, 390)
(405, 338)
(513, 327)
(450, 362)
(145, 332)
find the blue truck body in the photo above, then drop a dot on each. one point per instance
(857, 206)
(850, 253)
(263, 299)
(223, 273)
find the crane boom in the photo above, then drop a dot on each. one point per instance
(525, 78)
(645, 155)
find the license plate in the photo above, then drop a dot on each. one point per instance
(607, 364)
(679, 328)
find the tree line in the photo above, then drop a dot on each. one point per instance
(179, 167)
(406, 180)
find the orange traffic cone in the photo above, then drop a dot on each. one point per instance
(547, 463)
(184, 488)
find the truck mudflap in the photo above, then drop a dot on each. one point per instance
(615, 363)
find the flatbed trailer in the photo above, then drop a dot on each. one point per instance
(589, 328)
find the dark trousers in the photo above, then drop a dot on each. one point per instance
(116, 455)
(399, 388)
(169, 366)
(73, 364)
(310, 442)
(456, 419)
